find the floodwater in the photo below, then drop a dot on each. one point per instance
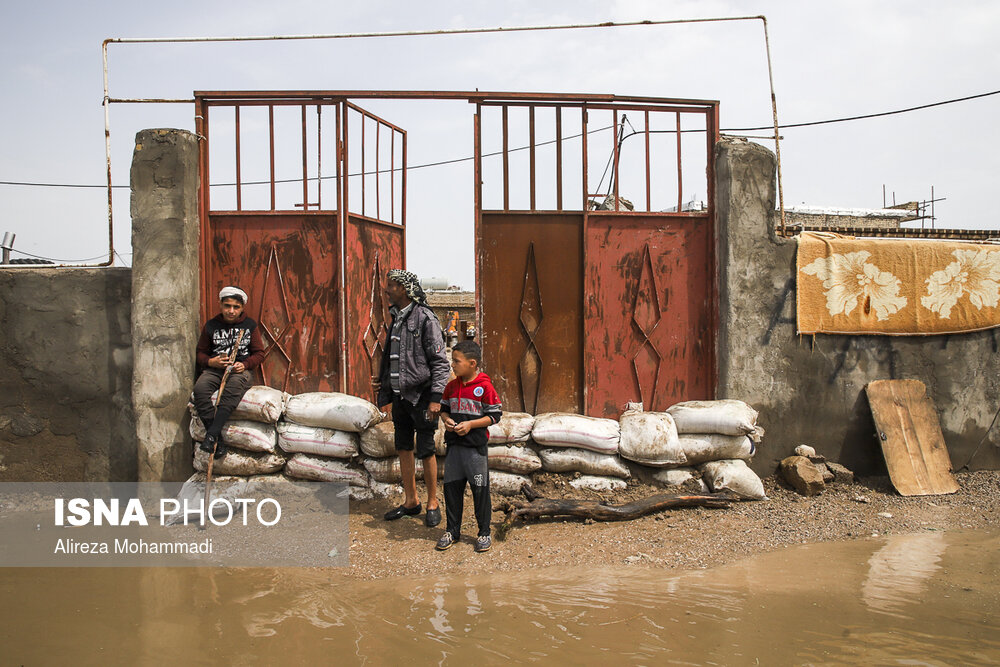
(930, 598)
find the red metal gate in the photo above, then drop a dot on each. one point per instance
(584, 308)
(312, 268)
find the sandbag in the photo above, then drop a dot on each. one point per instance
(316, 440)
(387, 471)
(379, 440)
(240, 462)
(728, 417)
(260, 404)
(507, 483)
(680, 477)
(650, 438)
(381, 490)
(513, 459)
(243, 433)
(512, 427)
(699, 448)
(340, 412)
(584, 461)
(322, 469)
(559, 429)
(733, 475)
(597, 483)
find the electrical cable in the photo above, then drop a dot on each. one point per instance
(465, 159)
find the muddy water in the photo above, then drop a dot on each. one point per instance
(924, 599)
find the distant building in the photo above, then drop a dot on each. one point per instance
(446, 303)
(817, 217)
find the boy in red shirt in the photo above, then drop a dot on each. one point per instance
(469, 406)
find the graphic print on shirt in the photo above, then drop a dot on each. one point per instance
(223, 339)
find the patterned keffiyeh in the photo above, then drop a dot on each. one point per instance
(411, 283)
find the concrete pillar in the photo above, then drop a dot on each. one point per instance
(165, 298)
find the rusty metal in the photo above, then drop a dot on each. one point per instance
(305, 164)
(319, 157)
(680, 169)
(270, 125)
(530, 318)
(239, 182)
(531, 157)
(477, 194)
(506, 170)
(649, 194)
(559, 155)
(378, 174)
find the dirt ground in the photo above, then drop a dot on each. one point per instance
(680, 538)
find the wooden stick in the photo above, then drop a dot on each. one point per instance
(218, 397)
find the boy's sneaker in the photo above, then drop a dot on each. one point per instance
(483, 543)
(445, 542)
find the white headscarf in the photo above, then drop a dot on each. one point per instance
(233, 292)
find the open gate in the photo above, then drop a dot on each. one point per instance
(310, 248)
(585, 304)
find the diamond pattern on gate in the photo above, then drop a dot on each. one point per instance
(376, 331)
(530, 317)
(275, 325)
(645, 317)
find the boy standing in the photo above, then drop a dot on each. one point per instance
(469, 405)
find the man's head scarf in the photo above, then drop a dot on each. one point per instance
(233, 293)
(410, 283)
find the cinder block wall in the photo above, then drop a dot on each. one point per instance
(812, 392)
(65, 375)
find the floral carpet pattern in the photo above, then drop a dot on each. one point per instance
(896, 287)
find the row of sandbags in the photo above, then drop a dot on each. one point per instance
(315, 435)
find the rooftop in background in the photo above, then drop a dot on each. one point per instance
(451, 298)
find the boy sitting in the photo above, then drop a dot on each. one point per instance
(469, 406)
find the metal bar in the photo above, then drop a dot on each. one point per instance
(305, 163)
(477, 190)
(363, 171)
(583, 129)
(506, 171)
(203, 221)
(378, 156)
(649, 204)
(614, 147)
(403, 202)
(107, 154)
(559, 183)
(319, 157)
(487, 98)
(270, 122)
(712, 123)
(366, 114)
(777, 137)
(149, 100)
(239, 181)
(340, 158)
(392, 176)
(531, 158)
(680, 170)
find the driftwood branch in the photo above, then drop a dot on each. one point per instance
(537, 507)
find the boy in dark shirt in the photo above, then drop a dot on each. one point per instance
(469, 406)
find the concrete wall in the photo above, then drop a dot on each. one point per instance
(165, 298)
(66, 369)
(812, 391)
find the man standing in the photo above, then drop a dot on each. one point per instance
(215, 354)
(412, 377)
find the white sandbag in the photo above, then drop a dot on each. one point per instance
(584, 461)
(559, 429)
(387, 470)
(596, 483)
(728, 417)
(322, 469)
(260, 404)
(702, 447)
(316, 440)
(512, 427)
(679, 477)
(240, 462)
(507, 483)
(243, 433)
(359, 493)
(341, 412)
(650, 438)
(379, 440)
(510, 458)
(733, 475)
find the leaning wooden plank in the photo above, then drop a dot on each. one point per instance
(911, 439)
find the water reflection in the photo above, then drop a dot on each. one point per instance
(843, 603)
(898, 572)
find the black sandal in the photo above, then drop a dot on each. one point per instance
(401, 511)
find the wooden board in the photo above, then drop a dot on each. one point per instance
(910, 434)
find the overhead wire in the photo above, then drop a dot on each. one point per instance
(466, 159)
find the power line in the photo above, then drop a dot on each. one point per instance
(466, 159)
(65, 261)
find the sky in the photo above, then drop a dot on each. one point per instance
(830, 60)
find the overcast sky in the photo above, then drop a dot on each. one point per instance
(831, 60)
